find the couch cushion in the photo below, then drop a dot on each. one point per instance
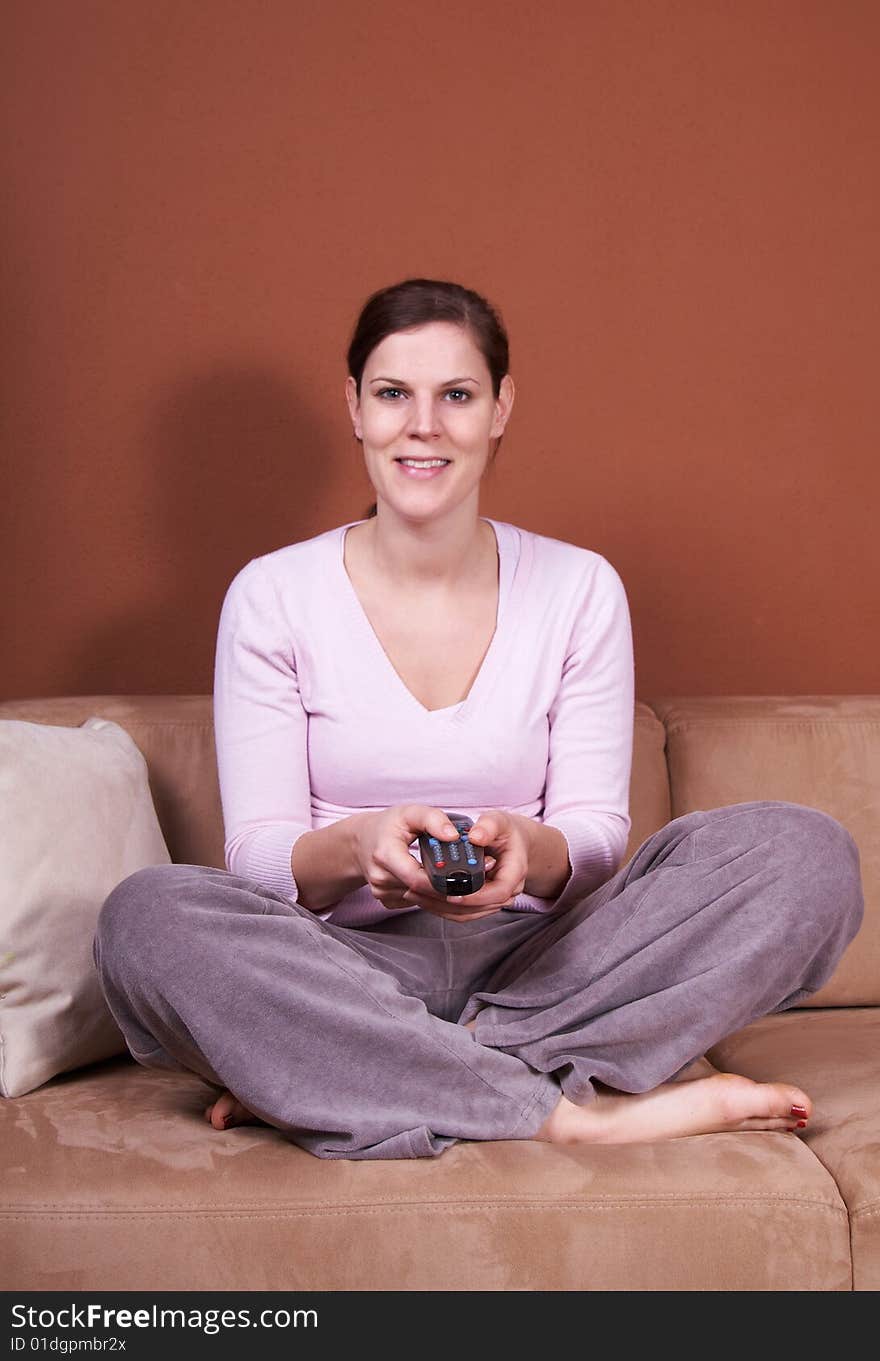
(175, 734)
(819, 750)
(77, 817)
(833, 1056)
(649, 806)
(114, 1180)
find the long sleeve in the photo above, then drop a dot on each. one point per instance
(312, 723)
(591, 737)
(260, 731)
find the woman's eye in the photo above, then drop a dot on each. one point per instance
(457, 393)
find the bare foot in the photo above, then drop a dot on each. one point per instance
(227, 1111)
(689, 1105)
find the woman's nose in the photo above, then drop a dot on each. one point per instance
(423, 418)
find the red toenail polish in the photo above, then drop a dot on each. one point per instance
(799, 1110)
(802, 1124)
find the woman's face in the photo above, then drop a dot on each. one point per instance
(426, 416)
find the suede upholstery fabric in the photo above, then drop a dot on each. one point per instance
(825, 751)
(112, 1179)
(175, 733)
(833, 1054)
(133, 1191)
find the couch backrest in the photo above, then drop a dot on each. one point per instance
(819, 750)
(175, 733)
(688, 753)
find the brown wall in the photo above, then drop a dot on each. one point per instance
(675, 206)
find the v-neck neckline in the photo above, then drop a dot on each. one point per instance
(451, 712)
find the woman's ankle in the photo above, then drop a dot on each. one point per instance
(566, 1123)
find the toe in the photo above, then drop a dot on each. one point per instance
(222, 1112)
(769, 1122)
(789, 1103)
(776, 1105)
(799, 1100)
(746, 1104)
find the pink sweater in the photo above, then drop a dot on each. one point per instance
(312, 723)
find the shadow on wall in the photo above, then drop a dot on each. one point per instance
(233, 465)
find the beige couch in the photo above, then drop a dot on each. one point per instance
(113, 1179)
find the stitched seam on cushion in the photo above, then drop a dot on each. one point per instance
(444, 1207)
(130, 723)
(746, 720)
(674, 727)
(866, 1211)
(143, 722)
(168, 723)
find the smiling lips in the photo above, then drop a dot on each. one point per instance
(422, 468)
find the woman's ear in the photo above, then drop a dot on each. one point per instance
(503, 405)
(351, 396)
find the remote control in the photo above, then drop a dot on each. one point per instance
(455, 868)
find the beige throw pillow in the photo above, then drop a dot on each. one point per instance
(76, 818)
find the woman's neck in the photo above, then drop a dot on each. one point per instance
(438, 556)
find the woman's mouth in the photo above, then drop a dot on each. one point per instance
(422, 468)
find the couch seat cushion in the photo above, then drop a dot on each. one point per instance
(833, 1054)
(114, 1180)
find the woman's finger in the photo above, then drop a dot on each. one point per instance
(500, 890)
(488, 827)
(397, 859)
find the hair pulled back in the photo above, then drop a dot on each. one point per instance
(415, 302)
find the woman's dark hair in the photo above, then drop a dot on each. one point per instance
(415, 302)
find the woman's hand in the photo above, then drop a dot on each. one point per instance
(396, 878)
(505, 835)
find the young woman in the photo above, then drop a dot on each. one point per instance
(427, 660)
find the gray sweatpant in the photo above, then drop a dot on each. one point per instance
(352, 1040)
